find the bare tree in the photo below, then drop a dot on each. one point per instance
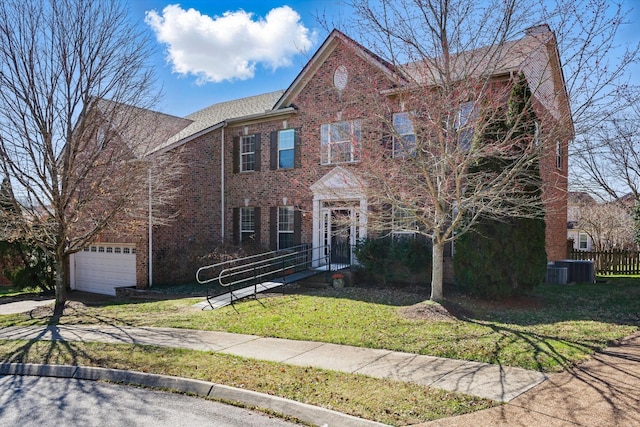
(604, 95)
(75, 132)
(610, 225)
(608, 161)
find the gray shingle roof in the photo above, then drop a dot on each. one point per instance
(218, 113)
(142, 129)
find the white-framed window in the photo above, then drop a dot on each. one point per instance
(404, 223)
(340, 142)
(464, 125)
(559, 155)
(247, 153)
(247, 224)
(286, 143)
(583, 241)
(404, 139)
(285, 227)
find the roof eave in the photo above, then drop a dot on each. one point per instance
(236, 120)
(261, 116)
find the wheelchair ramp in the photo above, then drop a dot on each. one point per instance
(229, 298)
(248, 276)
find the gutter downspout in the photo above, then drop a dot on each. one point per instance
(150, 234)
(222, 184)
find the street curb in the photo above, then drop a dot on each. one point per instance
(314, 415)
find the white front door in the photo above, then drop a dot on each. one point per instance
(339, 216)
(339, 231)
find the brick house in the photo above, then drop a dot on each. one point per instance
(267, 170)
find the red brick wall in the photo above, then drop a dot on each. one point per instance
(555, 198)
(179, 248)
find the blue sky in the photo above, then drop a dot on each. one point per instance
(195, 77)
(209, 51)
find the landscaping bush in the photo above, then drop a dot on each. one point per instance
(404, 261)
(501, 259)
(30, 267)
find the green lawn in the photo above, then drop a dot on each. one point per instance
(555, 328)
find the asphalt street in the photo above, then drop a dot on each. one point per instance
(42, 402)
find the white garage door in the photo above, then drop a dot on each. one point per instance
(103, 267)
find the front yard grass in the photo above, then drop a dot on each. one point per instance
(385, 401)
(554, 328)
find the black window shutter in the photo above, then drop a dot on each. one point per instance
(296, 149)
(236, 154)
(273, 227)
(256, 212)
(258, 152)
(236, 225)
(274, 150)
(297, 227)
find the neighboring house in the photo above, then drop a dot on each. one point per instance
(244, 156)
(600, 226)
(576, 201)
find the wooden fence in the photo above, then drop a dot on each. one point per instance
(614, 261)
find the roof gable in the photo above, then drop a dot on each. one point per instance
(337, 183)
(141, 129)
(328, 46)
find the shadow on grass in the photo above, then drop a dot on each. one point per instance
(615, 302)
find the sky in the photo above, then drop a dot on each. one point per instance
(209, 51)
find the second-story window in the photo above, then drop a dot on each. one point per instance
(285, 149)
(464, 124)
(340, 142)
(404, 140)
(247, 153)
(286, 140)
(559, 155)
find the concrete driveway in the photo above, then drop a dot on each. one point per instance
(23, 306)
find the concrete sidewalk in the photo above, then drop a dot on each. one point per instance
(480, 379)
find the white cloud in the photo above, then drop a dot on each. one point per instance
(230, 46)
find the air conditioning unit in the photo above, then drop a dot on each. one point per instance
(578, 271)
(556, 275)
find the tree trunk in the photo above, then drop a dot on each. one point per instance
(61, 286)
(436, 273)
